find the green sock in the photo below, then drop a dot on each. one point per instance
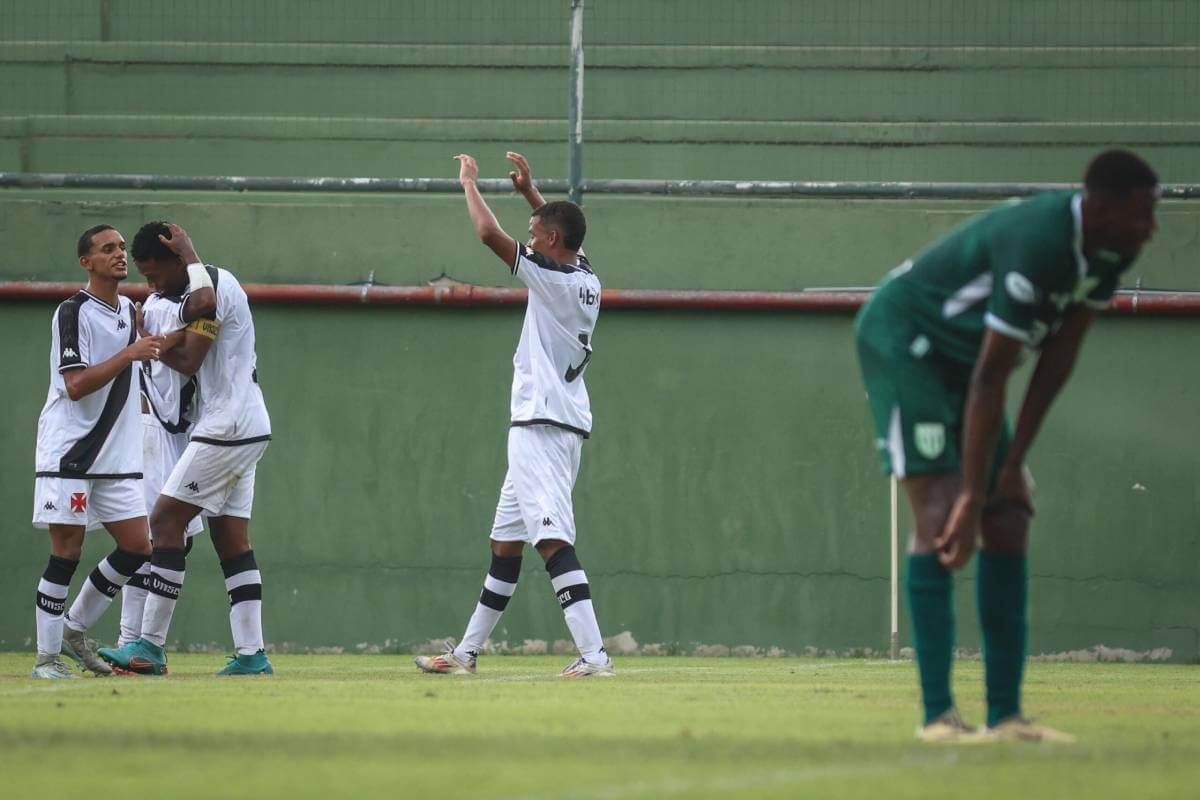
(929, 592)
(1002, 587)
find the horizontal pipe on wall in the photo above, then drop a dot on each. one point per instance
(867, 190)
(462, 295)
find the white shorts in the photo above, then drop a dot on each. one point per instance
(219, 479)
(160, 452)
(79, 501)
(535, 501)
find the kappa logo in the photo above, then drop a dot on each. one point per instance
(547, 522)
(930, 438)
(78, 502)
(194, 487)
(69, 353)
(121, 324)
(50, 506)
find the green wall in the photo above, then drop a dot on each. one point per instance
(730, 494)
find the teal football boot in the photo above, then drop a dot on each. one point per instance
(138, 657)
(253, 664)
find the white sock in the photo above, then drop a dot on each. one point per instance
(166, 582)
(243, 582)
(575, 596)
(101, 587)
(133, 604)
(498, 588)
(50, 604)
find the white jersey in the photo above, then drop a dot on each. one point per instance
(232, 410)
(556, 342)
(97, 436)
(170, 395)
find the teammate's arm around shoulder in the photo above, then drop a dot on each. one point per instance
(489, 230)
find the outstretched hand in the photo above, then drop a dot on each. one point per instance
(468, 170)
(521, 177)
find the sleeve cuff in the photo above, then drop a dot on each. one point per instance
(1000, 326)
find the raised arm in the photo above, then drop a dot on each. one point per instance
(489, 230)
(202, 298)
(522, 181)
(981, 426)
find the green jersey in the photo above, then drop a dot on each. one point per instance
(1016, 269)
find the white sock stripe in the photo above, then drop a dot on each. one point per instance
(572, 578)
(250, 576)
(55, 590)
(174, 576)
(110, 572)
(498, 586)
(144, 569)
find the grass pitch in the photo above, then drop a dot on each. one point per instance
(371, 726)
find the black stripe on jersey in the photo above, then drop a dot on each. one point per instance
(69, 356)
(115, 309)
(185, 400)
(215, 277)
(231, 442)
(525, 423)
(99, 476)
(545, 262)
(79, 459)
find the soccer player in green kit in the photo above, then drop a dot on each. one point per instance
(937, 343)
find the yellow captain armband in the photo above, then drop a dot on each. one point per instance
(205, 327)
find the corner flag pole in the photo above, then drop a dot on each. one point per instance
(895, 582)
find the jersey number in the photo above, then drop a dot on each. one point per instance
(575, 372)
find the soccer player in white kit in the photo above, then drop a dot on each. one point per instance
(169, 408)
(89, 460)
(216, 471)
(551, 416)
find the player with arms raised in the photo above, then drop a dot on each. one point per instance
(937, 344)
(551, 416)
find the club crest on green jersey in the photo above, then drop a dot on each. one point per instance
(930, 439)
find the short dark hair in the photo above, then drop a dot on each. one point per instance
(1118, 172)
(146, 245)
(84, 245)
(568, 218)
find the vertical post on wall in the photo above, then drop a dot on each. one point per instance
(895, 577)
(575, 109)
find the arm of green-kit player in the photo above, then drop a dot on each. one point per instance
(983, 417)
(1049, 376)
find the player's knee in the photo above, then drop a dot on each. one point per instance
(549, 549)
(507, 549)
(1006, 530)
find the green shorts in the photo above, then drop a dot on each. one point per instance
(917, 396)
